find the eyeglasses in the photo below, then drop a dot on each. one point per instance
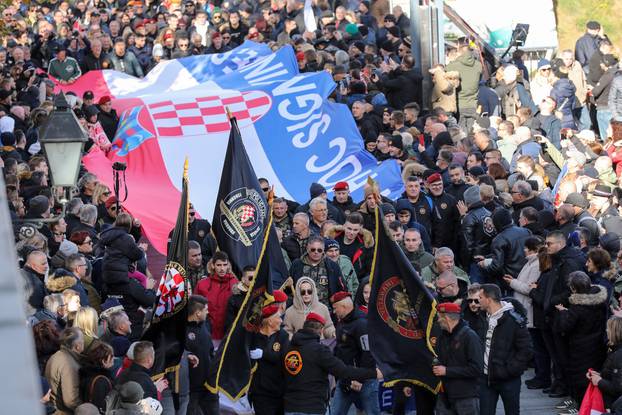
(82, 265)
(318, 250)
(306, 292)
(472, 300)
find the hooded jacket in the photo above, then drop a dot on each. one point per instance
(296, 314)
(217, 290)
(359, 251)
(563, 93)
(120, 252)
(420, 217)
(62, 280)
(470, 70)
(506, 250)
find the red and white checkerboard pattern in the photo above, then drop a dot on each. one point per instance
(203, 115)
(248, 212)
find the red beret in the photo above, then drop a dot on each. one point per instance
(110, 201)
(435, 177)
(269, 310)
(341, 186)
(300, 56)
(104, 100)
(279, 296)
(338, 296)
(448, 308)
(215, 35)
(315, 317)
(167, 36)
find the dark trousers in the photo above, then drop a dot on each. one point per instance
(424, 399)
(203, 402)
(267, 405)
(508, 390)
(558, 370)
(465, 406)
(542, 359)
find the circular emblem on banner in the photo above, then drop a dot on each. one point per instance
(395, 309)
(443, 205)
(422, 211)
(293, 362)
(242, 215)
(172, 292)
(276, 347)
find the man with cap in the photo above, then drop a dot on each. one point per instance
(268, 350)
(396, 149)
(460, 363)
(445, 214)
(333, 252)
(107, 117)
(317, 190)
(582, 217)
(353, 349)
(420, 203)
(63, 67)
(588, 44)
(307, 366)
(477, 231)
(342, 199)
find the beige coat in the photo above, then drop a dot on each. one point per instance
(577, 76)
(296, 314)
(61, 372)
(444, 89)
(530, 273)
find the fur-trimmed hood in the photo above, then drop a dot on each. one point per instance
(60, 282)
(412, 168)
(597, 296)
(336, 230)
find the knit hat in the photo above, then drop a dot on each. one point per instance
(316, 190)
(483, 121)
(131, 392)
(68, 248)
(7, 138)
(366, 3)
(544, 64)
(388, 208)
(472, 196)
(7, 124)
(476, 171)
(38, 205)
(501, 218)
(88, 95)
(610, 242)
(86, 409)
(331, 243)
(396, 141)
(577, 200)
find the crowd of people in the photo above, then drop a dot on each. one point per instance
(510, 215)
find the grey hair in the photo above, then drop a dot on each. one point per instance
(115, 319)
(88, 214)
(74, 205)
(523, 188)
(52, 302)
(85, 179)
(443, 251)
(303, 216)
(317, 201)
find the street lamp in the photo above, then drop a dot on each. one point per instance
(62, 138)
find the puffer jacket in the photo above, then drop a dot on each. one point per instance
(296, 314)
(359, 251)
(563, 93)
(217, 290)
(120, 252)
(477, 233)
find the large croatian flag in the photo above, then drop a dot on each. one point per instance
(294, 136)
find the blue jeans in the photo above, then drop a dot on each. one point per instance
(508, 390)
(603, 117)
(476, 275)
(368, 397)
(585, 122)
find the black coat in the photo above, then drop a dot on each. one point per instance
(567, 260)
(507, 252)
(333, 279)
(95, 384)
(401, 87)
(511, 349)
(445, 221)
(352, 341)
(121, 252)
(534, 202)
(461, 353)
(307, 366)
(584, 326)
(457, 190)
(34, 288)
(140, 375)
(199, 343)
(268, 381)
(294, 247)
(109, 122)
(611, 376)
(477, 321)
(477, 231)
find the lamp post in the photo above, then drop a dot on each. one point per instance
(62, 138)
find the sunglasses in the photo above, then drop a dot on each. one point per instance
(472, 300)
(192, 213)
(113, 208)
(318, 250)
(306, 292)
(265, 189)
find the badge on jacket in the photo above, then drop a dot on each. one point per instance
(276, 346)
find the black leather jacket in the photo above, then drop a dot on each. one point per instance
(477, 233)
(507, 252)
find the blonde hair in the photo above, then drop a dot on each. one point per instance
(614, 330)
(86, 320)
(99, 190)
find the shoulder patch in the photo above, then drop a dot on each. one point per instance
(293, 362)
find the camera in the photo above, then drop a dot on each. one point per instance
(119, 166)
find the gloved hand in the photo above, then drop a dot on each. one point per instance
(256, 354)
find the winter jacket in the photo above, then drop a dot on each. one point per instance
(120, 252)
(477, 231)
(529, 148)
(551, 126)
(420, 211)
(348, 207)
(585, 47)
(34, 288)
(307, 366)
(140, 375)
(610, 383)
(327, 284)
(217, 290)
(62, 373)
(126, 63)
(63, 280)
(348, 273)
(419, 259)
(199, 343)
(359, 251)
(91, 63)
(506, 251)
(507, 345)
(515, 96)
(294, 246)
(602, 88)
(401, 87)
(529, 274)
(615, 97)
(461, 353)
(95, 384)
(296, 314)
(584, 323)
(268, 380)
(470, 70)
(534, 202)
(567, 260)
(109, 122)
(444, 90)
(353, 342)
(563, 93)
(445, 221)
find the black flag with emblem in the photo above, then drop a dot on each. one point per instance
(241, 209)
(167, 328)
(400, 315)
(232, 369)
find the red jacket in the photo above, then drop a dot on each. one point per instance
(217, 290)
